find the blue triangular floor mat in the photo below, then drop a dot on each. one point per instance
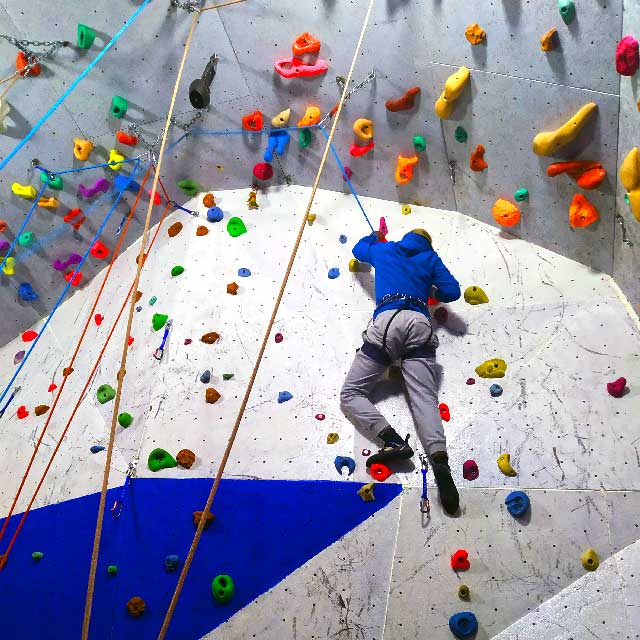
(263, 531)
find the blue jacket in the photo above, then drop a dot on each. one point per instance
(410, 267)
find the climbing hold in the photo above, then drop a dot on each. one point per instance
(304, 138)
(588, 175)
(305, 43)
(444, 412)
(24, 190)
(357, 151)
(48, 203)
(295, 67)
(363, 128)
(126, 138)
(342, 239)
(311, 116)
(139, 308)
(96, 448)
(3, 226)
(278, 338)
(346, 174)
(37, 555)
(505, 213)
(277, 142)
(518, 503)
(470, 470)
(99, 250)
(222, 588)
(105, 393)
(22, 63)
(581, 212)
(186, 458)
(41, 409)
(243, 272)
(354, 265)
(160, 459)
(211, 396)
(345, 461)
(22, 412)
(177, 270)
(119, 106)
(206, 376)
(630, 178)
(379, 471)
(4, 245)
(320, 416)
(189, 187)
(125, 420)
(441, 315)
(232, 288)
(475, 295)
(171, 563)
(26, 239)
(549, 40)
(504, 464)
(159, 320)
(187, 341)
(202, 231)
(334, 272)
(567, 10)
(460, 560)
(52, 387)
(590, 560)
(461, 135)
(404, 102)
(463, 624)
(86, 36)
(136, 606)
(263, 171)
(253, 121)
(19, 357)
(26, 292)
(419, 143)
(236, 227)
(67, 371)
(463, 592)
(54, 182)
(494, 368)
(210, 338)
(215, 214)
(406, 209)
(112, 570)
(627, 56)
(209, 200)
(332, 438)
(82, 148)
(281, 119)
(475, 34)
(153, 300)
(9, 266)
(548, 142)
(521, 195)
(404, 169)
(227, 376)
(366, 492)
(617, 387)
(29, 336)
(452, 89)
(366, 452)
(208, 518)
(476, 160)
(284, 396)
(495, 390)
(100, 185)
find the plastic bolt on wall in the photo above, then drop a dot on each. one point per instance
(344, 461)
(548, 143)
(504, 464)
(581, 212)
(119, 106)
(404, 102)
(452, 90)
(627, 56)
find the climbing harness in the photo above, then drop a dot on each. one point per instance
(425, 507)
(159, 352)
(8, 402)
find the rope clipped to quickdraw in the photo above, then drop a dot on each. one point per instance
(425, 507)
(8, 402)
(159, 352)
(116, 509)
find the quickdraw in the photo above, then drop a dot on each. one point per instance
(425, 507)
(159, 352)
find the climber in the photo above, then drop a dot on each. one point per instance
(406, 273)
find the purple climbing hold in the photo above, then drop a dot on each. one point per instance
(470, 470)
(471, 381)
(284, 396)
(60, 265)
(4, 245)
(19, 357)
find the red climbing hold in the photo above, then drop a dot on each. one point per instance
(616, 388)
(99, 250)
(252, 122)
(444, 412)
(74, 278)
(471, 381)
(130, 340)
(127, 138)
(347, 173)
(459, 560)
(29, 336)
(98, 318)
(22, 412)
(320, 416)
(278, 338)
(356, 150)
(52, 387)
(263, 171)
(22, 63)
(379, 471)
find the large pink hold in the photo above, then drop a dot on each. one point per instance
(627, 56)
(616, 388)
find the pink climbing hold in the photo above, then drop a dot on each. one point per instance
(278, 338)
(347, 173)
(616, 388)
(52, 387)
(320, 416)
(471, 381)
(627, 56)
(29, 336)
(470, 470)
(98, 318)
(379, 471)
(263, 171)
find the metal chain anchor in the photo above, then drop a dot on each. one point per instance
(189, 5)
(186, 126)
(340, 81)
(35, 57)
(149, 146)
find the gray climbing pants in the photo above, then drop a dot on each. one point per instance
(409, 330)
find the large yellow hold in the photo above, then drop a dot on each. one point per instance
(475, 295)
(494, 368)
(548, 142)
(630, 178)
(453, 87)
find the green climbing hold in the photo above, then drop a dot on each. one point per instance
(55, 182)
(37, 555)
(177, 270)
(189, 187)
(86, 36)
(159, 320)
(125, 420)
(521, 195)
(305, 137)
(119, 106)
(105, 393)
(461, 135)
(419, 143)
(26, 239)
(236, 227)
(222, 588)
(153, 300)
(161, 459)
(626, 198)
(227, 376)
(112, 570)
(567, 10)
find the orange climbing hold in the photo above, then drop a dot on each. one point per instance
(505, 213)
(405, 102)
(252, 122)
(404, 169)
(581, 212)
(475, 34)
(549, 40)
(22, 63)
(311, 116)
(588, 175)
(305, 43)
(126, 138)
(477, 161)
(209, 200)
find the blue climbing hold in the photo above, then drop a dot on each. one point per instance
(206, 376)
(283, 396)
(96, 448)
(26, 292)
(244, 273)
(343, 239)
(171, 563)
(517, 503)
(345, 461)
(463, 624)
(334, 272)
(138, 308)
(495, 390)
(278, 141)
(215, 214)
(122, 182)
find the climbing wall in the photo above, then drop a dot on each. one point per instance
(346, 569)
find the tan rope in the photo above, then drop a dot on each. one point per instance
(125, 348)
(245, 399)
(13, 79)
(222, 4)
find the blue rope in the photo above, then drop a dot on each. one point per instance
(72, 86)
(95, 166)
(64, 291)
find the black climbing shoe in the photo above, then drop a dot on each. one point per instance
(394, 449)
(447, 491)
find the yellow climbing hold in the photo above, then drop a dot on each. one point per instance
(281, 119)
(354, 265)
(475, 295)
(366, 492)
(332, 438)
(548, 142)
(630, 178)
(406, 209)
(504, 464)
(24, 190)
(311, 218)
(494, 368)
(9, 266)
(115, 160)
(452, 89)
(363, 128)
(590, 560)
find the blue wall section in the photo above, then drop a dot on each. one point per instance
(264, 530)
